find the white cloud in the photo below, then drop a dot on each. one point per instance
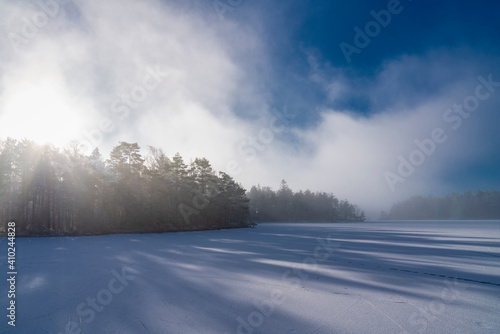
(212, 102)
(107, 53)
(349, 154)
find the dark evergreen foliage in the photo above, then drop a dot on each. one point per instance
(285, 205)
(479, 205)
(49, 192)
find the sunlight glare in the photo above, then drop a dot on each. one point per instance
(42, 112)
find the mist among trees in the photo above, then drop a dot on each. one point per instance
(469, 205)
(47, 191)
(285, 205)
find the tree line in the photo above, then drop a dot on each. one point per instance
(284, 205)
(456, 206)
(48, 191)
(51, 192)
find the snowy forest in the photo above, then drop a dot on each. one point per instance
(468, 205)
(47, 191)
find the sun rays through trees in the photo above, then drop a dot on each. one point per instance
(49, 192)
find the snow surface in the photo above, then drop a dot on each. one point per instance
(373, 277)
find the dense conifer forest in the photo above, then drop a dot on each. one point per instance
(48, 191)
(468, 205)
(287, 206)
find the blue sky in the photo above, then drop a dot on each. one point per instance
(264, 90)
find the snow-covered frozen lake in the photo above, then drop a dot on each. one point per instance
(373, 277)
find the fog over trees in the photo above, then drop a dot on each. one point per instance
(286, 205)
(47, 191)
(468, 205)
